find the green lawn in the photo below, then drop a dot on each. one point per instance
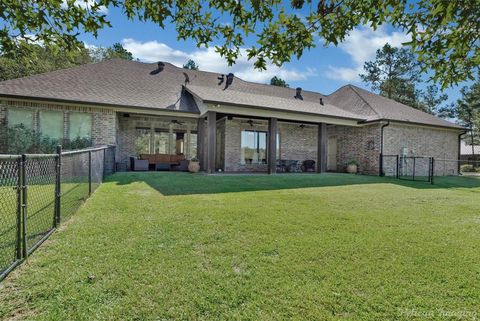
(179, 246)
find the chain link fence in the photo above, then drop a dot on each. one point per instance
(415, 168)
(39, 191)
(446, 167)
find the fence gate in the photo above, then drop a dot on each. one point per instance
(39, 191)
(414, 168)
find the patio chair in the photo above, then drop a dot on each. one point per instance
(138, 164)
(308, 165)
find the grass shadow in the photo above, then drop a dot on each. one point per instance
(177, 183)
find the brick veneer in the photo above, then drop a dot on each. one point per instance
(296, 142)
(103, 120)
(357, 143)
(442, 144)
(127, 132)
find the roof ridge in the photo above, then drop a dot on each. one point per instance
(353, 88)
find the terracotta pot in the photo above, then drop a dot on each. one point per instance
(193, 167)
(352, 169)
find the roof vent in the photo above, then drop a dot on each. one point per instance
(321, 101)
(159, 69)
(221, 79)
(229, 80)
(298, 93)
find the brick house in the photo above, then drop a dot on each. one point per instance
(227, 123)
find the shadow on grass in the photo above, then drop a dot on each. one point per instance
(176, 183)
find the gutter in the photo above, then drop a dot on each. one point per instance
(381, 147)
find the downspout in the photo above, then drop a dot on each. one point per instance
(460, 149)
(381, 147)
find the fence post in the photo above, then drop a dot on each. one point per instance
(89, 173)
(24, 205)
(398, 166)
(19, 208)
(433, 170)
(414, 166)
(58, 185)
(104, 163)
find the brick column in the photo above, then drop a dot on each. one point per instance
(322, 148)
(212, 141)
(272, 146)
(201, 142)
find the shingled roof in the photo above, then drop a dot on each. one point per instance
(374, 107)
(118, 82)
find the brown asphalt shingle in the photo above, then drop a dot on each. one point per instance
(119, 82)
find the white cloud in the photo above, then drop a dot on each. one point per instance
(361, 45)
(209, 60)
(85, 4)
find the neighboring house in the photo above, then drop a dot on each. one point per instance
(228, 123)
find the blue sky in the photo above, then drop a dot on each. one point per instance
(322, 69)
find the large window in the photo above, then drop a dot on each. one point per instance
(80, 125)
(161, 143)
(17, 116)
(142, 141)
(51, 124)
(193, 145)
(253, 147)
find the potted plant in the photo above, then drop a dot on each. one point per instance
(352, 166)
(193, 165)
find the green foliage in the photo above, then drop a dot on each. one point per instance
(444, 33)
(21, 140)
(466, 111)
(277, 81)
(394, 74)
(353, 162)
(469, 168)
(191, 64)
(115, 51)
(431, 100)
(30, 59)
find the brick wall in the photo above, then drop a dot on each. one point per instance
(424, 141)
(103, 120)
(357, 143)
(127, 133)
(296, 143)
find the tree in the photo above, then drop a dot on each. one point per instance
(192, 65)
(30, 59)
(115, 51)
(444, 34)
(467, 112)
(394, 74)
(432, 98)
(277, 81)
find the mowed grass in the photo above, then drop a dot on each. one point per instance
(179, 246)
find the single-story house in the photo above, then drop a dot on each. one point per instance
(229, 124)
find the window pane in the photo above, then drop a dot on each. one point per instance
(161, 143)
(17, 116)
(142, 141)
(80, 125)
(51, 124)
(178, 143)
(253, 147)
(193, 146)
